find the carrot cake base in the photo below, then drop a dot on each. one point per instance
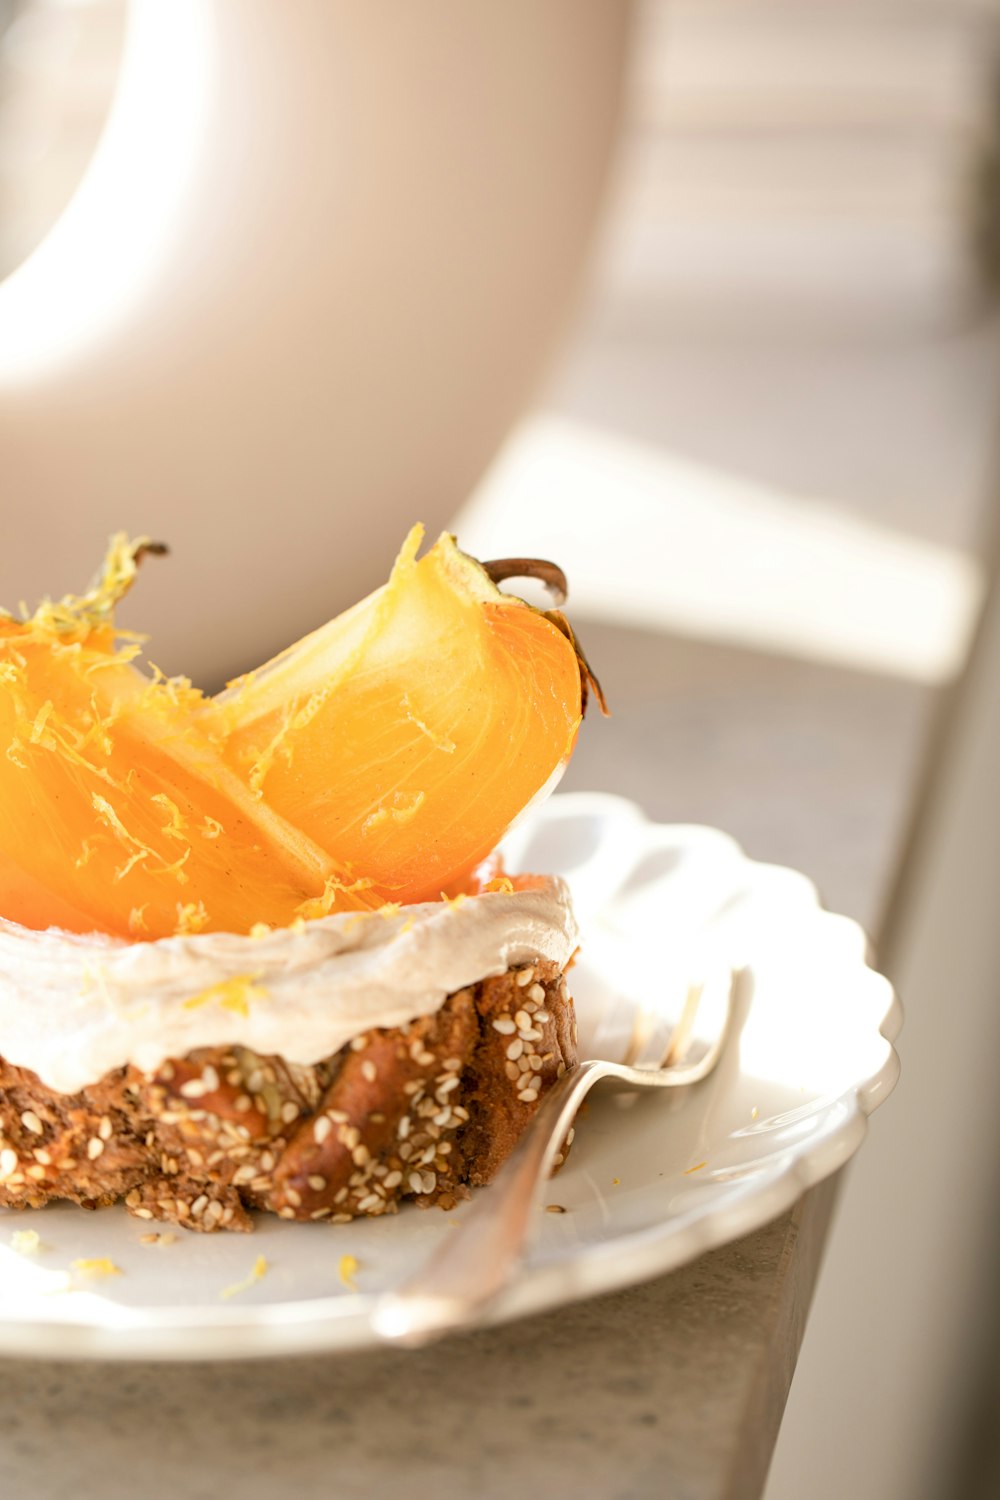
(422, 1111)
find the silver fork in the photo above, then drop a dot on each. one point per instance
(476, 1262)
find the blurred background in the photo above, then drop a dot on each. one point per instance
(696, 296)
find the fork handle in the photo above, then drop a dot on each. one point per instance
(476, 1262)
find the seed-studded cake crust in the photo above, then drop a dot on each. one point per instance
(421, 1111)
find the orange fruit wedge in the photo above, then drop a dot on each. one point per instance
(116, 811)
(407, 735)
(380, 759)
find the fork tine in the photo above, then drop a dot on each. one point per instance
(681, 1035)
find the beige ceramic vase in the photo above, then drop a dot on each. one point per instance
(310, 279)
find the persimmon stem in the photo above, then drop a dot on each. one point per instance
(547, 573)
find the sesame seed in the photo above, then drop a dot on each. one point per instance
(448, 1085)
(370, 1202)
(295, 1198)
(535, 1063)
(43, 1156)
(31, 1122)
(513, 1071)
(94, 1147)
(522, 1021)
(359, 1043)
(340, 1195)
(504, 1025)
(429, 1181)
(443, 1118)
(515, 1048)
(267, 1161)
(416, 1182)
(316, 1182)
(524, 977)
(213, 1212)
(104, 1128)
(403, 1128)
(528, 1096)
(542, 1015)
(392, 1179)
(167, 1071)
(536, 993)
(132, 1197)
(286, 1213)
(554, 1208)
(340, 1218)
(569, 1136)
(255, 1082)
(210, 1078)
(405, 1151)
(199, 1205)
(425, 1058)
(193, 1089)
(338, 1116)
(322, 1129)
(289, 1111)
(243, 1104)
(143, 1213)
(35, 1172)
(368, 1070)
(452, 1064)
(531, 1034)
(361, 1156)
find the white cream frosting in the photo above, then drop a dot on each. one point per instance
(72, 1007)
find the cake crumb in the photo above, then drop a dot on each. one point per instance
(554, 1208)
(157, 1239)
(25, 1241)
(257, 1274)
(347, 1269)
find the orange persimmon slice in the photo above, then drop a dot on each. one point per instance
(116, 811)
(407, 735)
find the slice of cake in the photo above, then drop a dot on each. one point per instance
(250, 957)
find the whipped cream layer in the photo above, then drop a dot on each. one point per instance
(73, 1007)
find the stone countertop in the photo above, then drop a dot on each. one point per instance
(675, 1387)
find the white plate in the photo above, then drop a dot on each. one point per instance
(652, 1182)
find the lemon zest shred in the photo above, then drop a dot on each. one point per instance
(235, 994)
(321, 906)
(258, 1273)
(404, 806)
(137, 918)
(347, 1269)
(96, 1267)
(502, 886)
(176, 825)
(192, 916)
